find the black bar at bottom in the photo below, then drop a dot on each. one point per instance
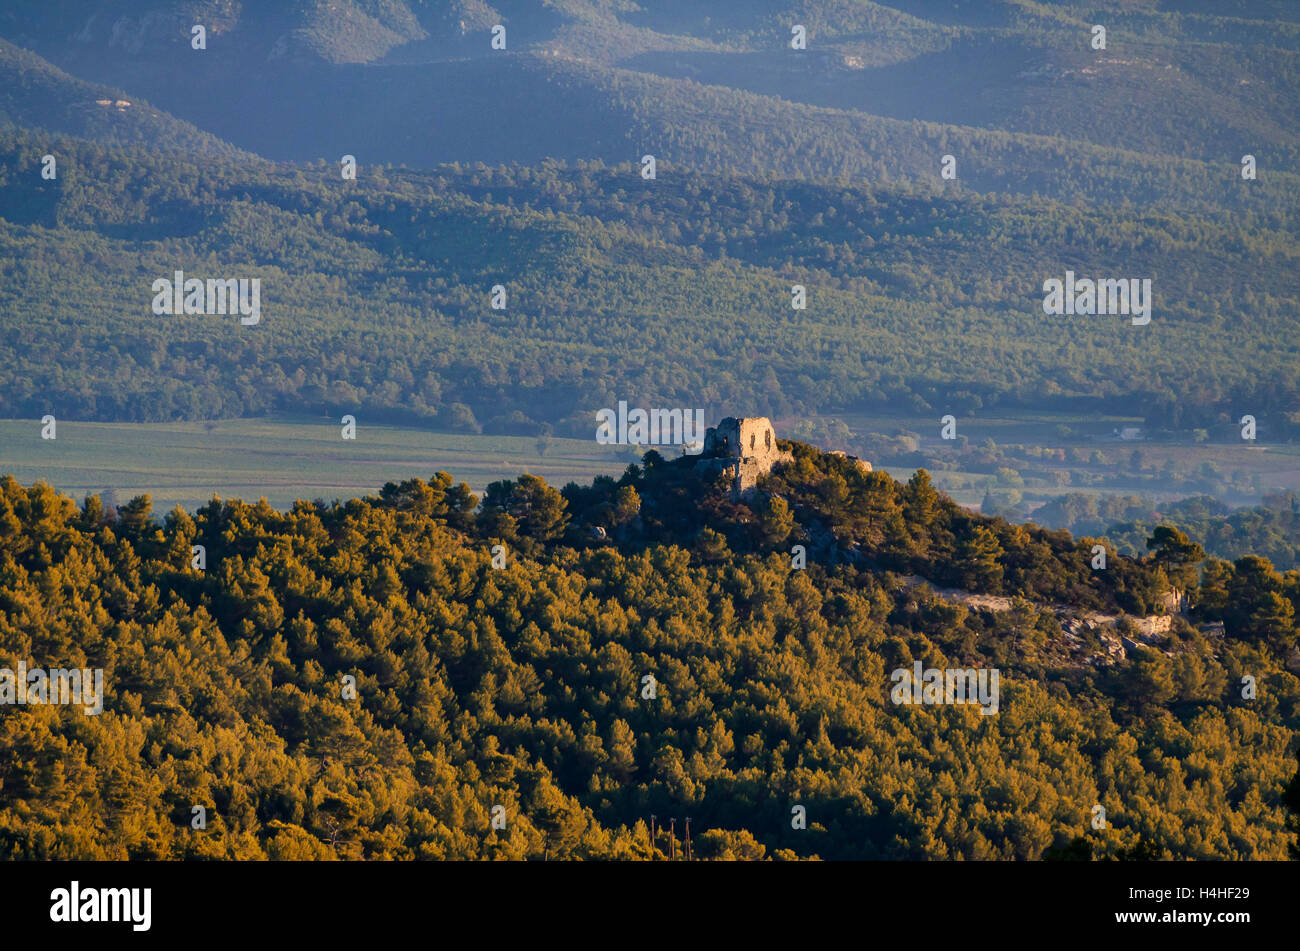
(589, 901)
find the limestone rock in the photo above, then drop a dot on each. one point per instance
(860, 463)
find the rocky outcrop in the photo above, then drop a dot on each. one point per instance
(1081, 630)
(860, 463)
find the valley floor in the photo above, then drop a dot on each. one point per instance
(281, 460)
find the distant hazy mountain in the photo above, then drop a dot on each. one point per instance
(419, 83)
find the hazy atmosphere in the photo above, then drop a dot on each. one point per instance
(656, 431)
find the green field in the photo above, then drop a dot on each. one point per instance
(281, 460)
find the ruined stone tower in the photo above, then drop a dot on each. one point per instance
(745, 448)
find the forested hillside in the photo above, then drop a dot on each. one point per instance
(524, 686)
(672, 292)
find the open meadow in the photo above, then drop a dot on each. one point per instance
(283, 460)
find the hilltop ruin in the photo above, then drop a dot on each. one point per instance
(744, 448)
